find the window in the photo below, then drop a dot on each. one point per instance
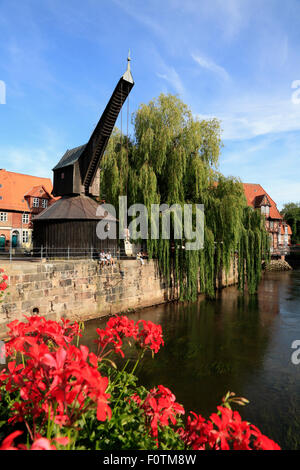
(35, 202)
(44, 202)
(3, 216)
(25, 218)
(271, 224)
(62, 175)
(271, 243)
(25, 236)
(265, 210)
(286, 235)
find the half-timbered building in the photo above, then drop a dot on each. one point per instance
(280, 232)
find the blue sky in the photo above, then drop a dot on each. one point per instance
(234, 59)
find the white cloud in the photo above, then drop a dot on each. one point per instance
(252, 120)
(136, 13)
(172, 77)
(33, 161)
(229, 16)
(210, 65)
(36, 159)
(237, 13)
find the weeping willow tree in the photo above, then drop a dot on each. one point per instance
(173, 159)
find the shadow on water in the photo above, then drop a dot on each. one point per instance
(239, 343)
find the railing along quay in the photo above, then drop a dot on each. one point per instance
(67, 253)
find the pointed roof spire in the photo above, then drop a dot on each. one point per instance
(127, 75)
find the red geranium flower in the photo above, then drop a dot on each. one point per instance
(160, 408)
(8, 441)
(118, 328)
(224, 431)
(57, 378)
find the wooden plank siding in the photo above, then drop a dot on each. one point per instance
(70, 234)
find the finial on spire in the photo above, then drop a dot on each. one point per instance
(128, 60)
(127, 75)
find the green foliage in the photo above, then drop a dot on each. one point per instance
(173, 159)
(7, 400)
(126, 430)
(291, 214)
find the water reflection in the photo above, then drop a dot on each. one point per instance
(236, 343)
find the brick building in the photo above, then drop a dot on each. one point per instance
(280, 231)
(21, 197)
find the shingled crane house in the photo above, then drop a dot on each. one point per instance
(71, 222)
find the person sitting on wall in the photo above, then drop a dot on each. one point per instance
(109, 258)
(102, 258)
(139, 257)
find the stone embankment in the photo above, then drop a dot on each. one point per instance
(81, 290)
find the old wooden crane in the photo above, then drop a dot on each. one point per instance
(71, 221)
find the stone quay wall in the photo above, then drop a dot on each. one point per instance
(81, 290)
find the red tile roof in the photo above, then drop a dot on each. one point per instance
(254, 190)
(15, 186)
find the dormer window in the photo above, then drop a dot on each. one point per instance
(265, 210)
(35, 202)
(44, 203)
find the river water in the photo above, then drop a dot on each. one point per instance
(237, 343)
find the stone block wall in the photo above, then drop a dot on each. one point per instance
(81, 290)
